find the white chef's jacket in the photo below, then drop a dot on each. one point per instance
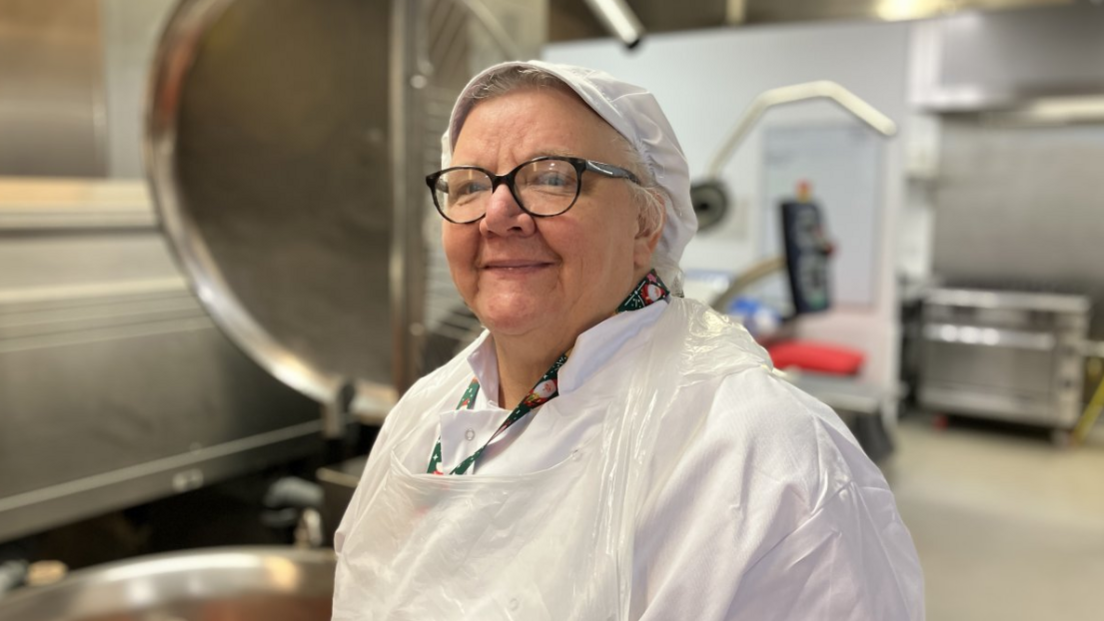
(764, 508)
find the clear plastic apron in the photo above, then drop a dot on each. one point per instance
(534, 547)
(550, 545)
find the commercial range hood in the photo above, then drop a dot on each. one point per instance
(1038, 67)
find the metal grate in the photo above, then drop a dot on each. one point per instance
(449, 64)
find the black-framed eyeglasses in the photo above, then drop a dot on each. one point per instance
(543, 187)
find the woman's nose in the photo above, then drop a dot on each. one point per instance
(505, 216)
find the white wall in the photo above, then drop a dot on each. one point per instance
(705, 79)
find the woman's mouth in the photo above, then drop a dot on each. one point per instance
(515, 267)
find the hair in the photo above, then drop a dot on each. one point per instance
(651, 198)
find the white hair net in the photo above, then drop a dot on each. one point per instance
(636, 115)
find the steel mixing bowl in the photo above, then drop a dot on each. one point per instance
(218, 584)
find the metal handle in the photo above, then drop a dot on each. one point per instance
(752, 275)
(822, 89)
(12, 574)
(989, 337)
(309, 531)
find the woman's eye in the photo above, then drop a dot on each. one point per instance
(467, 188)
(552, 179)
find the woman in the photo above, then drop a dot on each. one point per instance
(605, 450)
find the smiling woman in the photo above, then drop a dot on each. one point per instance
(605, 450)
(537, 283)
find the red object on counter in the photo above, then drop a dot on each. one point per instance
(818, 357)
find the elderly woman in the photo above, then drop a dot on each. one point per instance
(606, 449)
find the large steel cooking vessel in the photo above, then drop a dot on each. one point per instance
(230, 584)
(286, 145)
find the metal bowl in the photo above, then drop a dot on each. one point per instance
(219, 584)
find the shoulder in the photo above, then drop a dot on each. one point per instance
(745, 450)
(771, 438)
(742, 461)
(731, 406)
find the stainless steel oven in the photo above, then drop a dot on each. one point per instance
(1009, 355)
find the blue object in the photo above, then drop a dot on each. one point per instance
(759, 319)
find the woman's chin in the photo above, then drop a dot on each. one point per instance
(516, 318)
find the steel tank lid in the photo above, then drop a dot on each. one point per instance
(268, 154)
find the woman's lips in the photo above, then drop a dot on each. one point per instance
(508, 268)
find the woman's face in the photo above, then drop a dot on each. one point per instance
(522, 275)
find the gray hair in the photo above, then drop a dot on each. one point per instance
(649, 196)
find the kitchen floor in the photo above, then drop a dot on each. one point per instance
(1008, 526)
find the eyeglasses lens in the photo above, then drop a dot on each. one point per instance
(545, 188)
(462, 193)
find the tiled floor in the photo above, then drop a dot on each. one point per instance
(1008, 527)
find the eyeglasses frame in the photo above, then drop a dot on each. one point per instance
(581, 165)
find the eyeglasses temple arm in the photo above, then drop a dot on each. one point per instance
(610, 170)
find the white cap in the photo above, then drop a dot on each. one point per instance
(635, 114)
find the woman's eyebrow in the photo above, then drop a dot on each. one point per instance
(554, 153)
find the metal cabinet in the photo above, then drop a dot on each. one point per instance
(115, 386)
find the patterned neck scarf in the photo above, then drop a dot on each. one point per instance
(649, 291)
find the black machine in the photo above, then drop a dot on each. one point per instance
(807, 251)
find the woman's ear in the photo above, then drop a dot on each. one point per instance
(648, 233)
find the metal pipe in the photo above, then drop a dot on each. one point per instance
(619, 20)
(822, 89)
(752, 275)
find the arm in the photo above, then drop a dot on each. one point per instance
(851, 561)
